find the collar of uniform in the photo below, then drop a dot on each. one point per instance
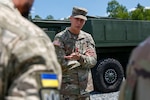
(80, 35)
(69, 33)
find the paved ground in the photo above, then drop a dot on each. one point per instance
(105, 96)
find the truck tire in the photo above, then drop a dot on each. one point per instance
(107, 76)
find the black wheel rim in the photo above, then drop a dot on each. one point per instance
(110, 76)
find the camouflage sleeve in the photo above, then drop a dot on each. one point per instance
(59, 48)
(89, 57)
(32, 58)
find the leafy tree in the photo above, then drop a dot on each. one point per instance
(121, 12)
(49, 17)
(147, 14)
(140, 13)
(116, 10)
(111, 9)
(137, 14)
(37, 17)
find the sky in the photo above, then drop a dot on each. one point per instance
(63, 8)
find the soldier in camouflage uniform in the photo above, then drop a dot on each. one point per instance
(76, 53)
(137, 83)
(26, 54)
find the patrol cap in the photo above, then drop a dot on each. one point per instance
(79, 12)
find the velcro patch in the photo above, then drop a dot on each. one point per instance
(56, 43)
(49, 80)
(49, 94)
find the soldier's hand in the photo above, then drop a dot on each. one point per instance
(73, 56)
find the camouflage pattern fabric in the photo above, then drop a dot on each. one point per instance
(137, 84)
(74, 97)
(76, 81)
(25, 53)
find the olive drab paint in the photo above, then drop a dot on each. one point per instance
(114, 39)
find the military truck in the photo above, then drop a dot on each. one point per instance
(115, 39)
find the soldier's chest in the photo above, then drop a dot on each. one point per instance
(75, 45)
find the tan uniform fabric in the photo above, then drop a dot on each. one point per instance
(25, 52)
(137, 84)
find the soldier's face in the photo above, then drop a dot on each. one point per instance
(24, 6)
(77, 23)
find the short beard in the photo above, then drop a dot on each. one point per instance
(25, 14)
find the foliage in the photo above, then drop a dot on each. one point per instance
(37, 17)
(115, 10)
(49, 17)
(140, 13)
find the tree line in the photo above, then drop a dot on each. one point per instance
(116, 10)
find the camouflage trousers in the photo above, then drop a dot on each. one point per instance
(74, 97)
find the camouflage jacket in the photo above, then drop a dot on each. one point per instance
(137, 83)
(76, 80)
(25, 51)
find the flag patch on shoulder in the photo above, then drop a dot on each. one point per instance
(49, 80)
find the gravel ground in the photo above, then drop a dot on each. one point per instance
(105, 96)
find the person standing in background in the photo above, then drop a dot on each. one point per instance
(137, 83)
(76, 54)
(27, 56)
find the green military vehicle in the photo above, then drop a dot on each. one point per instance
(114, 38)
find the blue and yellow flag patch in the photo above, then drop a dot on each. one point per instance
(49, 80)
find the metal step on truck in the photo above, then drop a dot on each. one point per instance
(115, 39)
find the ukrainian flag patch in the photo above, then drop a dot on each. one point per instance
(49, 80)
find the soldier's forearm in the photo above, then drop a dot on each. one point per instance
(87, 61)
